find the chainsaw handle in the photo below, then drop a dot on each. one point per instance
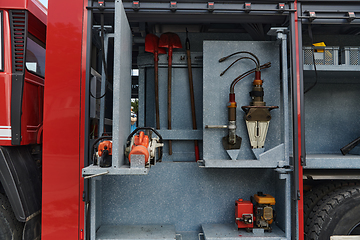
(144, 128)
(96, 141)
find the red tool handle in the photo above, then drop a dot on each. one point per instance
(169, 93)
(192, 97)
(156, 66)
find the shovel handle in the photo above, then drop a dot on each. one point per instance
(156, 66)
(192, 97)
(169, 94)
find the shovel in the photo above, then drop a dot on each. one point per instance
(170, 41)
(152, 45)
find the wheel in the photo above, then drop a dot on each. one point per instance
(312, 197)
(336, 214)
(10, 227)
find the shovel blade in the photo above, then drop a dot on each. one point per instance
(152, 44)
(169, 39)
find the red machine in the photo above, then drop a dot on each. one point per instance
(244, 214)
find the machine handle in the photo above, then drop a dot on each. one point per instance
(345, 150)
(216, 126)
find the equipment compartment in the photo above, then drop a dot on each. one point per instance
(186, 197)
(215, 98)
(181, 134)
(331, 111)
(178, 197)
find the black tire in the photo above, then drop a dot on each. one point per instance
(312, 197)
(336, 214)
(10, 227)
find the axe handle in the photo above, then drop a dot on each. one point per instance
(192, 97)
(156, 66)
(345, 150)
(169, 94)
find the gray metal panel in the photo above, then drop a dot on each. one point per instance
(333, 68)
(216, 92)
(183, 147)
(269, 159)
(95, 210)
(123, 170)
(181, 194)
(331, 122)
(332, 161)
(230, 232)
(104, 85)
(122, 84)
(285, 93)
(183, 150)
(181, 134)
(141, 111)
(331, 115)
(283, 199)
(132, 232)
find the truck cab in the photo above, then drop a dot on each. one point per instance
(22, 71)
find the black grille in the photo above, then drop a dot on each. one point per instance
(18, 25)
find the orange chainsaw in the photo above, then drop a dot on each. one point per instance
(141, 147)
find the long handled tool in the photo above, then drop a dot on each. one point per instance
(170, 41)
(192, 99)
(152, 45)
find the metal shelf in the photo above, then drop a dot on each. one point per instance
(129, 232)
(332, 73)
(230, 232)
(332, 161)
(333, 68)
(272, 158)
(123, 170)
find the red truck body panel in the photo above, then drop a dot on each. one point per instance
(63, 147)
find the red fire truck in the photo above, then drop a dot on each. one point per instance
(208, 169)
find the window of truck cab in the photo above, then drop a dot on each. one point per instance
(35, 55)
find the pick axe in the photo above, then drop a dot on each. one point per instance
(170, 41)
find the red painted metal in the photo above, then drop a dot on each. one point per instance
(5, 85)
(300, 204)
(243, 208)
(34, 7)
(32, 107)
(63, 147)
(82, 117)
